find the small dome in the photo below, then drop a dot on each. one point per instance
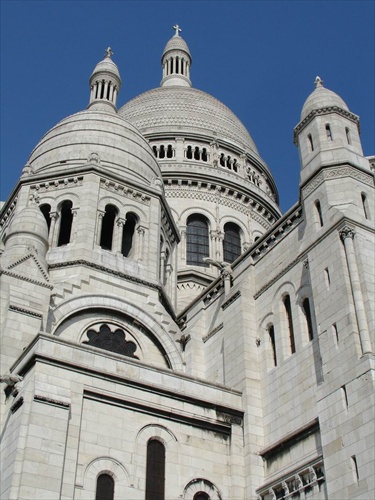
(176, 43)
(106, 66)
(31, 221)
(321, 98)
(117, 145)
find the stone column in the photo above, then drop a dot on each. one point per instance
(347, 235)
(52, 230)
(99, 226)
(106, 83)
(183, 244)
(140, 242)
(111, 93)
(100, 84)
(117, 237)
(73, 230)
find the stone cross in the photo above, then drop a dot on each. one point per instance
(178, 29)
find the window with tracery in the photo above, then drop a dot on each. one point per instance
(197, 240)
(113, 340)
(232, 242)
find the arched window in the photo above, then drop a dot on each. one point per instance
(288, 310)
(271, 333)
(105, 487)
(162, 152)
(348, 138)
(128, 235)
(197, 242)
(329, 132)
(197, 155)
(365, 206)
(222, 160)
(154, 149)
(46, 211)
(307, 312)
(232, 242)
(155, 470)
(169, 151)
(204, 154)
(201, 495)
(66, 220)
(319, 213)
(309, 137)
(108, 224)
(189, 153)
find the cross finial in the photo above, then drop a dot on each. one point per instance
(108, 52)
(178, 29)
(318, 82)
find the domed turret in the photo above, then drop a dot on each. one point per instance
(327, 130)
(176, 62)
(105, 83)
(28, 232)
(322, 98)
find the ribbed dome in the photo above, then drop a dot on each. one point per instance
(120, 147)
(322, 98)
(176, 43)
(186, 110)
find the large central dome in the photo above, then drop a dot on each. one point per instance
(186, 110)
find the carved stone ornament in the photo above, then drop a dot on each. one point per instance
(94, 158)
(347, 232)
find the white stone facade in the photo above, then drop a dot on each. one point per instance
(252, 370)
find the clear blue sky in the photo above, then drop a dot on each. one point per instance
(259, 57)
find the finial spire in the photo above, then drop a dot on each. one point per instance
(108, 52)
(178, 30)
(318, 82)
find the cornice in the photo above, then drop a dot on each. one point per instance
(325, 111)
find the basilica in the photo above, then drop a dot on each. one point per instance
(166, 332)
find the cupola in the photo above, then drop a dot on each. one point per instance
(105, 83)
(176, 62)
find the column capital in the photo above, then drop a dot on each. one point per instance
(347, 232)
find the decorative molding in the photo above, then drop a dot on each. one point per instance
(327, 173)
(325, 111)
(50, 401)
(25, 278)
(9, 212)
(34, 258)
(213, 332)
(126, 191)
(55, 184)
(27, 312)
(231, 299)
(276, 278)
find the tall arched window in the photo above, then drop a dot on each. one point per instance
(311, 142)
(365, 206)
(329, 132)
(288, 310)
(307, 312)
(197, 242)
(106, 237)
(66, 220)
(271, 333)
(155, 470)
(105, 487)
(128, 235)
(46, 211)
(232, 242)
(319, 213)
